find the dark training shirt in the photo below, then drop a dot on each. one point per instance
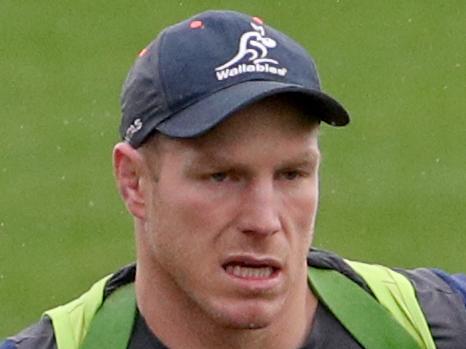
(441, 296)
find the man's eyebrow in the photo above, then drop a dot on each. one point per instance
(211, 159)
(309, 157)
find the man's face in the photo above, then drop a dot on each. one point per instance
(230, 215)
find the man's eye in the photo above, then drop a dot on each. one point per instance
(219, 176)
(290, 175)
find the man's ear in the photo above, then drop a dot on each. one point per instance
(128, 166)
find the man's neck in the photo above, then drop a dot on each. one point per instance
(168, 319)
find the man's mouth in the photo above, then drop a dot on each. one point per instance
(249, 272)
(251, 268)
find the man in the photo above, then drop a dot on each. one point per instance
(219, 168)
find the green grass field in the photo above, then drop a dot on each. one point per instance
(392, 183)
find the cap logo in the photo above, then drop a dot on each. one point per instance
(132, 129)
(253, 48)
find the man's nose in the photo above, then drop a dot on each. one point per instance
(259, 212)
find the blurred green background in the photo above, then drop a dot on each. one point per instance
(392, 183)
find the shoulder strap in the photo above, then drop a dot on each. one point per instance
(111, 326)
(369, 322)
(71, 321)
(395, 292)
(113, 323)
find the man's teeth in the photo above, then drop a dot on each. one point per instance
(249, 272)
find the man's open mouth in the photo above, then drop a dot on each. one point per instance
(248, 272)
(251, 268)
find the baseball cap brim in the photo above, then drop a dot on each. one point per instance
(203, 115)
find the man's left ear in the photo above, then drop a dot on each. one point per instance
(128, 166)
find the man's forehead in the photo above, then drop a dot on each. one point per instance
(234, 141)
(278, 119)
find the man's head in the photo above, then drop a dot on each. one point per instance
(219, 167)
(224, 220)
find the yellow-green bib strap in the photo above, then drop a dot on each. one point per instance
(395, 321)
(113, 323)
(395, 292)
(369, 322)
(71, 321)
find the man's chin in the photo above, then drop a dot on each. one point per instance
(244, 324)
(247, 317)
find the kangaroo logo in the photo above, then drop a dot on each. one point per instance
(254, 47)
(254, 44)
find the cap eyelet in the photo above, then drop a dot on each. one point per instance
(258, 20)
(142, 52)
(196, 24)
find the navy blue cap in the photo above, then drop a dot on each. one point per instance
(200, 71)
